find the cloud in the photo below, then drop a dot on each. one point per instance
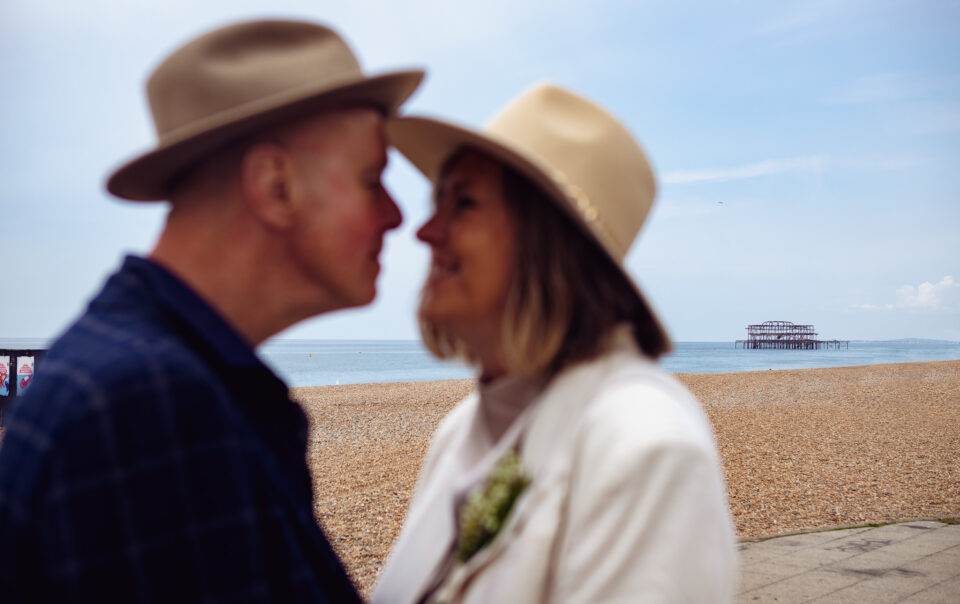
(927, 296)
(762, 168)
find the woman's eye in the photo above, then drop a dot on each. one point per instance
(464, 203)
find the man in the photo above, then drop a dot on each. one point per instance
(156, 458)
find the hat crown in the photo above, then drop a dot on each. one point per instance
(604, 174)
(244, 78)
(230, 68)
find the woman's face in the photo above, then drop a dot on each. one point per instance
(472, 236)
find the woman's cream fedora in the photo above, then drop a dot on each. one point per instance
(241, 78)
(576, 152)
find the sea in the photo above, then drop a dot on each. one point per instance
(327, 362)
(323, 362)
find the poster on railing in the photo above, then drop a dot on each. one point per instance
(24, 373)
(4, 375)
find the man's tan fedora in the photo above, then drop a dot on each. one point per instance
(243, 77)
(576, 152)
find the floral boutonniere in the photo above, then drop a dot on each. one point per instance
(488, 505)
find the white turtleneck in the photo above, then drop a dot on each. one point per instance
(503, 400)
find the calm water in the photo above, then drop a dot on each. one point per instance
(322, 362)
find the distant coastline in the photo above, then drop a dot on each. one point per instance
(304, 363)
(911, 341)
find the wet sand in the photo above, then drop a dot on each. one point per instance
(800, 448)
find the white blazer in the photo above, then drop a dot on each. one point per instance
(626, 504)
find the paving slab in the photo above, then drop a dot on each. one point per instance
(946, 591)
(801, 588)
(911, 562)
(781, 568)
(952, 551)
(750, 579)
(859, 593)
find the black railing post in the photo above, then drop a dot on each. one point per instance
(16, 358)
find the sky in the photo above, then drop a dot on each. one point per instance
(807, 152)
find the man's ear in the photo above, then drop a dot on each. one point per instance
(267, 183)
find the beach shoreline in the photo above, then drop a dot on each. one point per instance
(800, 449)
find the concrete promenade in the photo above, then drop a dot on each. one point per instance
(911, 562)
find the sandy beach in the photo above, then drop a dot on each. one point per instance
(800, 449)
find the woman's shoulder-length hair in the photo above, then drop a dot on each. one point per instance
(565, 297)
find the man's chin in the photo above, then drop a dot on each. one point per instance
(360, 298)
(341, 298)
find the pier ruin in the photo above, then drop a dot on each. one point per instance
(784, 335)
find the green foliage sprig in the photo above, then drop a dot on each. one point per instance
(489, 504)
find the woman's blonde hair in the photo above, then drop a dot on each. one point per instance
(565, 296)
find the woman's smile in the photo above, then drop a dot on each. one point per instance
(442, 267)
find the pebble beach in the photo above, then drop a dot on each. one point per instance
(800, 449)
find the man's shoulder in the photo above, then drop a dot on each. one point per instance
(116, 353)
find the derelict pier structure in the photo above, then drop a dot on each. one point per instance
(784, 335)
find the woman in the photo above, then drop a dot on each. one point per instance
(579, 471)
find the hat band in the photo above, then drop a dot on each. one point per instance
(587, 209)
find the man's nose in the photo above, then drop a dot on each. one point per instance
(392, 217)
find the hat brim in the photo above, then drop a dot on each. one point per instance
(148, 176)
(428, 143)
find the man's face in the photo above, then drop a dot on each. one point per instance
(343, 209)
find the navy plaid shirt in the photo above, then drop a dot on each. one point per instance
(156, 459)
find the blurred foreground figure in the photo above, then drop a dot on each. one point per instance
(580, 471)
(156, 459)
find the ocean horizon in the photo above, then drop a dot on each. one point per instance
(313, 362)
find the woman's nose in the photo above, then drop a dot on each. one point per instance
(431, 232)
